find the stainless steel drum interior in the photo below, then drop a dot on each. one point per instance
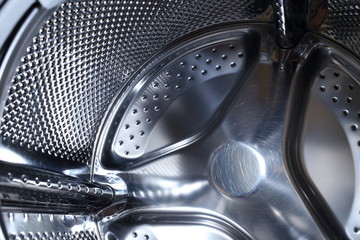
(179, 119)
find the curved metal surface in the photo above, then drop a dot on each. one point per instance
(34, 188)
(235, 131)
(291, 20)
(180, 97)
(323, 134)
(49, 226)
(237, 168)
(177, 223)
(58, 85)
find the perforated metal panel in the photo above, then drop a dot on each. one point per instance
(338, 20)
(145, 128)
(53, 226)
(83, 56)
(208, 107)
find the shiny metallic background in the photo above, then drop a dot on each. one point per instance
(65, 64)
(84, 54)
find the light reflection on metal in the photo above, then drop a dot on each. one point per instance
(238, 164)
(230, 167)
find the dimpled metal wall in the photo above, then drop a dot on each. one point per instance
(84, 54)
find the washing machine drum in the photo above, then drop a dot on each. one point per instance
(179, 119)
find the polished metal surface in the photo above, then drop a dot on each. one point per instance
(235, 170)
(243, 167)
(291, 20)
(183, 90)
(179, 223)
(328, 139)
(31, 187)
(179, 119)
(58, 90)
(33, 226)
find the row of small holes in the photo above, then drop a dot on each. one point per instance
(336, 87)
(100, 42)
(59, 185)
(345, 112)
(135, 235)
(353, 127)
(177, 87)
(40, 216)
(85, 235)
